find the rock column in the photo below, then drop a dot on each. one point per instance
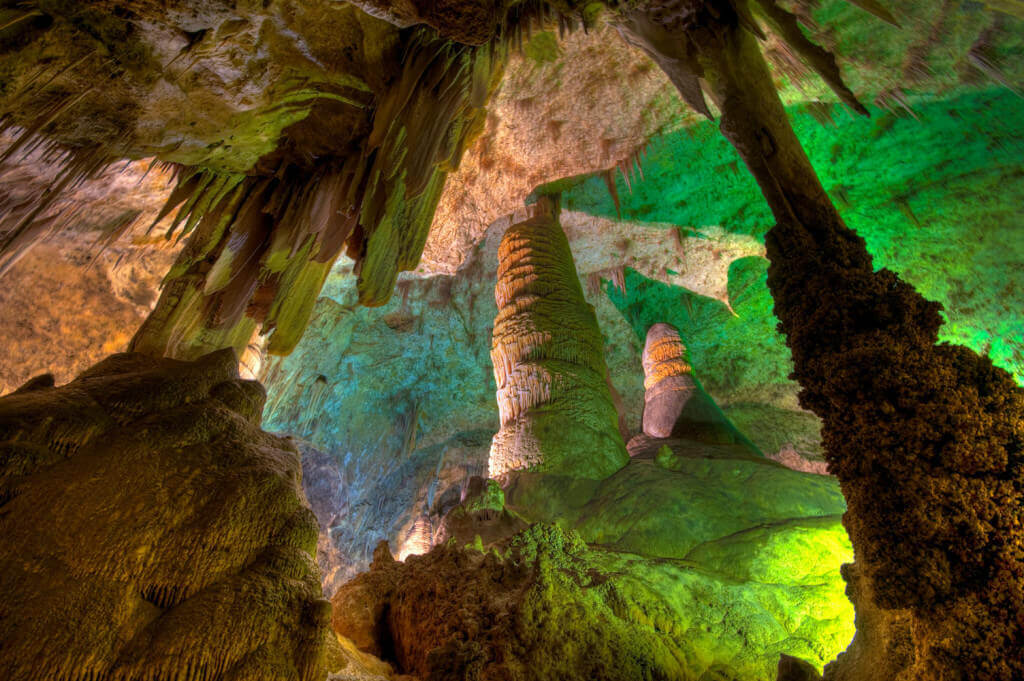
(556, 411)
(927, 440)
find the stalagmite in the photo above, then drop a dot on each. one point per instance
(927, 440)
(675, 405)
(150, 530)
(556, 411)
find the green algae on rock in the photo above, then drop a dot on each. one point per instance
(548, 606)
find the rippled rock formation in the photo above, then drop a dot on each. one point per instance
(151, 530)
(555, 407)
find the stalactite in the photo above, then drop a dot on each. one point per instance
(555, 408)
(925, 439)
(25, 223)
(260, 247)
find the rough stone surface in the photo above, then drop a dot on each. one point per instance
(80, 295)
(150, 530)
(555, 407)
(546, 606)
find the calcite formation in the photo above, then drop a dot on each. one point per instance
(944, 544)
(555, 408)
(675, 405)
(151, 530)
(340, 141)
(543, 605)
(262, 246)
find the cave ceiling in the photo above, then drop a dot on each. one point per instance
(396, 132)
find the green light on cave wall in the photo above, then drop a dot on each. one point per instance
(936, 198)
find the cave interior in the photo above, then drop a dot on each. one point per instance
(512, 340)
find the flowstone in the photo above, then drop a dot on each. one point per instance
(151, 530)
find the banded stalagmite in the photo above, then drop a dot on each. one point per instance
(556, 410)
(675, 405)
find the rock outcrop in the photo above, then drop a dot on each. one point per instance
(555, 407)
(543, 605)
(151, 530)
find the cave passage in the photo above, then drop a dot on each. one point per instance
(349, 340)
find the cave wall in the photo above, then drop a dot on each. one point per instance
(942, 215)
(406, 409)
(81, 294)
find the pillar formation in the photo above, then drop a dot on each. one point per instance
(926, 440)
(556, 411)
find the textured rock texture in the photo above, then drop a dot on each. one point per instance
(555, 407)
(582, 102)
(79, 296)
(693, 561)
(939, 418)
(151, 530)
(404, 439)
(675, 405)
(300, 130)
(943, 544)
(545, 605)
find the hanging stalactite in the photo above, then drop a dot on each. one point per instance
(260, 247)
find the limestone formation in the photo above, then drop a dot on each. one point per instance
(944, 544)
(300, 131)
(556, 410)
(150, 530)
(543, 605)
(675, 405)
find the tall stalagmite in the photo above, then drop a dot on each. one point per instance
(150, 530)
(675, 405)
(927, 440)
(556, 410)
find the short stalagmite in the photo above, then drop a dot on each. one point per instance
(150, 530)
(556, 410)
(675, 405)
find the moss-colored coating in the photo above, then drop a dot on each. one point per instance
(944, 214)
(150, 530)
(550, 607)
